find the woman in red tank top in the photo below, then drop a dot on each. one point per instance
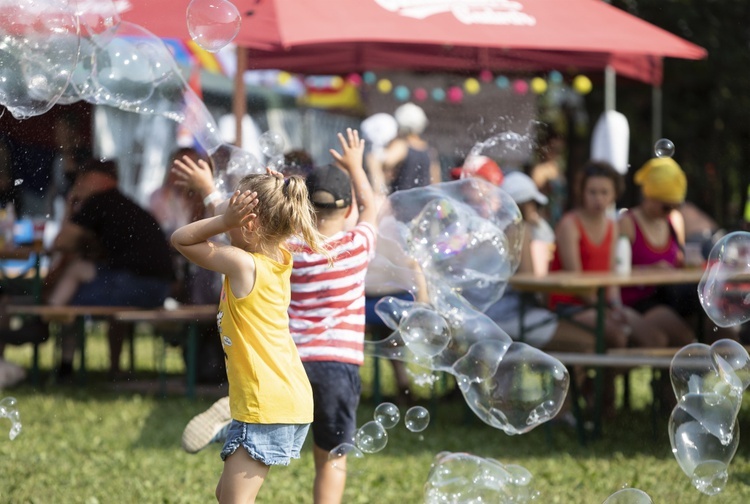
(586, 239)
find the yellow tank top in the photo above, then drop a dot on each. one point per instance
(267, 382)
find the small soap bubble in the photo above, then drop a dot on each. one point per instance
(629, 496)
(18, 182)
(345, 457)
(8, 410)
(371, 437)
(417, 418)
(387, 414)
(664, 148)
(271, 144)
(213, 23)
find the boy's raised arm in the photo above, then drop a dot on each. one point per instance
(350, 160)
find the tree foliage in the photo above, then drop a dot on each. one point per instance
(706, 104)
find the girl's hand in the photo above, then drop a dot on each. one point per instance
(274, 173)
(240, 209)
(353, 149)
(195, 176)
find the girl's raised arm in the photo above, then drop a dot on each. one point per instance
(191, 240)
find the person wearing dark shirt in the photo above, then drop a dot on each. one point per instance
(111, 252)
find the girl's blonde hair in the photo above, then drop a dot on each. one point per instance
(284, 210)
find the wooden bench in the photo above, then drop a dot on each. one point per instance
(188, 314)
(191, 315)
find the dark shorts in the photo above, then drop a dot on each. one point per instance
(122, 288)
(682, 298)
(336, 388)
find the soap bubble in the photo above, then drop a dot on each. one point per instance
(123, 72)
(387, 414)
(629, 496)
(346, 457)
(8, 410)
(213, 23)
(97, 18)
(463, 478)
(465, 233)
(527, 388)
(425, 332)
(417, 418)
(700, 454)
(39, 51)
(271, 144)
(722, 290)
(664, 148)
(231, 164)
(371, 437)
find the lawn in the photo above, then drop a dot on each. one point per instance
(120, 443)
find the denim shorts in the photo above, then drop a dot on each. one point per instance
(336, 388)
(270, 444)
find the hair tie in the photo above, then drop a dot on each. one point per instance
(286, 182)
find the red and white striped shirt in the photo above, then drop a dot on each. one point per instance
(327, 310)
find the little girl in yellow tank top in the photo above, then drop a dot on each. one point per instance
(269, 394)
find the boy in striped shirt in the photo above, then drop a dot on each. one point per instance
(327, 309)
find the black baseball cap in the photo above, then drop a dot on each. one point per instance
(329, 187)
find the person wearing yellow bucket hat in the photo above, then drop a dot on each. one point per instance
(656, 231)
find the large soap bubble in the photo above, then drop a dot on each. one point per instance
(709, 383)
(371, 437)
(527, 388)
(213, 23)
(723, 289)
(463, 478)
(465, 233)
(699, 453)
(38, 53)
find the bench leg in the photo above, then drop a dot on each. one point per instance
(192, 353)
(80, 324)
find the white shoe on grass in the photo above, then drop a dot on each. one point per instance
(207, 427)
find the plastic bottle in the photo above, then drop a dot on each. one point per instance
(623, 256)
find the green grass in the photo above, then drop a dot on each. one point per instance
(96, 444)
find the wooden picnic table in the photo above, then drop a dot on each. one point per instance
(580, 283)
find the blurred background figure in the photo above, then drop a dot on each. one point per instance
(479, 166)
(548, 173)
(529, 199)
(409, 161)
(378, 130)
(174, 205)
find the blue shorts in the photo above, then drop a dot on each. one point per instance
(269, 444)
(336, 388)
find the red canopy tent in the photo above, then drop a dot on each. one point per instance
(341, 36)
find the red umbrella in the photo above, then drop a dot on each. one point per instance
(341, 36)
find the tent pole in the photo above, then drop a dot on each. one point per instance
(239, 100)
(610, 76)
(656, 113)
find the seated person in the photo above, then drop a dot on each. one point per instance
(585, 241)
(656, 231)
(174, 205)
(111, 252)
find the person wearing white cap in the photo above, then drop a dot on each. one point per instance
(408, 161)
(524, 192)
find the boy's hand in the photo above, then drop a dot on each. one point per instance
(353, 149)
(240, 209)
(196, 176)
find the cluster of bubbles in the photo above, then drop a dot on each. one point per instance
(722, 290)
(709, 382)
(60, 52)
(8, 410)
(463, 478)
(372, 437)
(213, 23)
(457, 244)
